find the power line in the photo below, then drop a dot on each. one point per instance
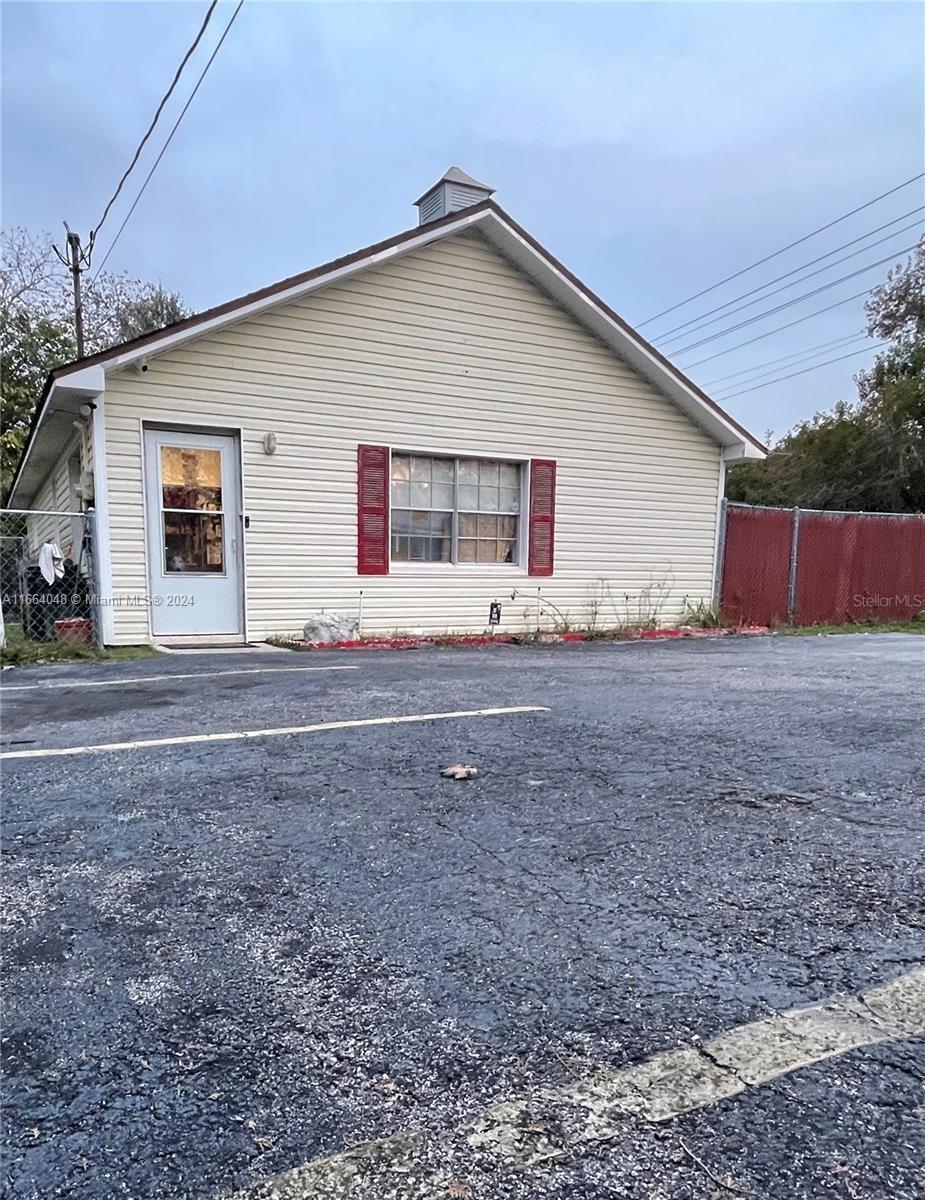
(807, 352)
(779, 329)
(812, 262)
(805, 371)
(160, 108)
(176, 126)
(786, 361)
(762, 375)
(783, 249)
(789, 303)
(795, 283)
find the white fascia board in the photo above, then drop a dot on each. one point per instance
(742, 452)
(85, 384)
(88, 381)
(171, 340)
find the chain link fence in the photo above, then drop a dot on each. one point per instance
(48, 590)
(799, 566)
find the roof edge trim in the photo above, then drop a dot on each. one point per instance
(623, 339)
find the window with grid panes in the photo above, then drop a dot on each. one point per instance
(454, 510)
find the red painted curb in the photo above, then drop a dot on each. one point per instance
(484, 639)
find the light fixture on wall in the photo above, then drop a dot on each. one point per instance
(269, 443)
(86, 410)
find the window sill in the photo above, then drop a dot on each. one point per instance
(507, 570)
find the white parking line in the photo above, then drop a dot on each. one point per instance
(244, 735)
(514, 1134)
(128, 680)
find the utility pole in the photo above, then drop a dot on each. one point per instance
(75, 261)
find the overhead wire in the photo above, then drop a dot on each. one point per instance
(806, 352)
(767, 258)
(789, 303)
(812, 262)
(846, 350)
(796, 282)
(779, 329)
(160, 108)
(176, 126)
(780, 379)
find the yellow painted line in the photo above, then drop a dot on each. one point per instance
(128, 681)
(247, 734)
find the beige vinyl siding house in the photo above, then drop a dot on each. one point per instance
(442, 353)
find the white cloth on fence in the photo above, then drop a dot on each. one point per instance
(51, 562)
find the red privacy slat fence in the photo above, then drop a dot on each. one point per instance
(809, 567)
(756, 564)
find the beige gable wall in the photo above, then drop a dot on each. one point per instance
(451, 349)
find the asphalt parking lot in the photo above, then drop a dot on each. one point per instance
(229, 957)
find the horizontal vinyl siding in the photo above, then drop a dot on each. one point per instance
(55, 494)
(450, 349)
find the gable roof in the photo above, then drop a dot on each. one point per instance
(501, 230)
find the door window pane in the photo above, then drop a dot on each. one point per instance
(193, 542)
(191, 478)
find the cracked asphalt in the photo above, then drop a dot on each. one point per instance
(224, 960)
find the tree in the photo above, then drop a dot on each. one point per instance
(870, 454)
(152, 308)
(29, 347)
(37, 323)
(117, 307)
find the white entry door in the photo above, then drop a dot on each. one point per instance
(193, 487)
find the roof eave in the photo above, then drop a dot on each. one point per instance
(72, 390)
(279, 293)
(511, 239)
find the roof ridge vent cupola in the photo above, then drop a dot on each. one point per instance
(455, 190)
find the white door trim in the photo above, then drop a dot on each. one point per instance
(234, 527)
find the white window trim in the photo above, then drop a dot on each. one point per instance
(508, 570)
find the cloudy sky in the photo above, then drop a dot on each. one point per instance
(653, 148)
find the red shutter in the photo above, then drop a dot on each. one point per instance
(542, 516)
(373, 510)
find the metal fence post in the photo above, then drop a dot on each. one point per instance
(97, 597)
(794, 559)
(720, 554)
